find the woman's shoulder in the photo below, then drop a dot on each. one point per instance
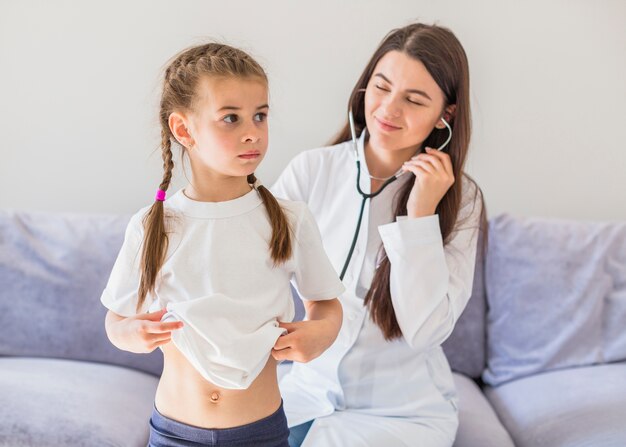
(305, 170)
(329, 150)
(469, 187)
(312, 159)
(472, 202)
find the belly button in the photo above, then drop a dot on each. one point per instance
(215, 397)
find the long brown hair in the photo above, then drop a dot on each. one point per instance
(444, 58)
(182, 76)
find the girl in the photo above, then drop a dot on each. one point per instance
(209, 268)
(386, 381)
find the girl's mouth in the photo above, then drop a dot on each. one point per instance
(250, 155)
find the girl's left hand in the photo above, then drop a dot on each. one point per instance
(433, 177)
(305, 340)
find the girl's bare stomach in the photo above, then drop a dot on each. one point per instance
(185, 396)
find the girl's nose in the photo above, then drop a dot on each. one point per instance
(251, 135)
(250, 138)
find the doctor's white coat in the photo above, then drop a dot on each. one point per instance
(364, 390)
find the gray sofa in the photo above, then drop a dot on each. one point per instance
(539, 354)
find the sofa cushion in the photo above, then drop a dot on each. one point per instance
(53, 268)
(556, 292)
(478, 423)
(466, 347)
(574, 407)
(47, 402)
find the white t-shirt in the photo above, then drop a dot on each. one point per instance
(220, 280)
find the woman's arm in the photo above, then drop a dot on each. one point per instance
(431, 284)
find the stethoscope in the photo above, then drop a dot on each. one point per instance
(387, 182)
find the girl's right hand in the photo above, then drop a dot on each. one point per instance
(140, 333)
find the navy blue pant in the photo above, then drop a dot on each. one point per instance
(271, 431)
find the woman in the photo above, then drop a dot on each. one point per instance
(386, 381)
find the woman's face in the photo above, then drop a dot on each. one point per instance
(402, 103)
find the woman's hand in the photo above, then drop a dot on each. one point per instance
(140, 333)
(433, 177)
(307, 340)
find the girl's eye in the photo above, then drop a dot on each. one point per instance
(379, 87)
(260, 117)
(230, 119)
(414, 102)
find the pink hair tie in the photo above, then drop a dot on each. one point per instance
(160, 195)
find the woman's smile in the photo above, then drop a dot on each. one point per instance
(386, 125)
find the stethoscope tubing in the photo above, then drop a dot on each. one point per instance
(366, 196)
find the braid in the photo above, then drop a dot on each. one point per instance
(168, 164)
(280, 244)
(155, 237)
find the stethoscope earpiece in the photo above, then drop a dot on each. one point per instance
(445, 143)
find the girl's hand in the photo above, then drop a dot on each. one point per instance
(140, 333)
(305, 340)
(433, 177)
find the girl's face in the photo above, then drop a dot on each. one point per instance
(228, 128)
(402, 103)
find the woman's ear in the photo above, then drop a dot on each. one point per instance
(448, 115)
(179, 126)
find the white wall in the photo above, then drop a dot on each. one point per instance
(79, 89)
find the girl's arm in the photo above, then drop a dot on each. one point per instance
(128, 330)
(141, 333)
(307, 340)
(329, 310)
(316, 280)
